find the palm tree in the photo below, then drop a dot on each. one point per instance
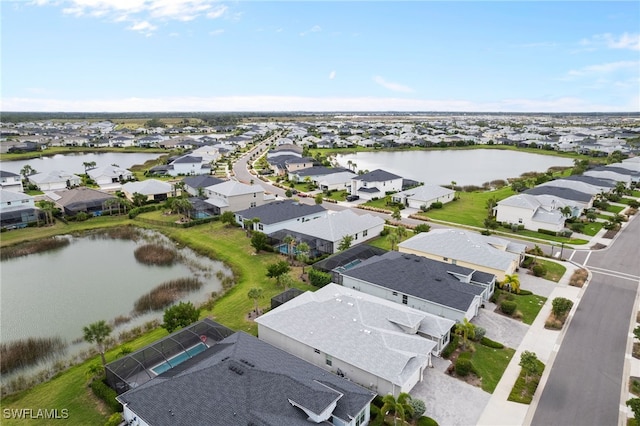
(27, 170)
(303, 253)
(47, 207)
(139, 199)
(466, 330)
(566, 211)
(513, 283)
(393, 239)
(88, 165)
(400, 406)
(290, 242)
(255, 293)
(98, 332)
(110, 203)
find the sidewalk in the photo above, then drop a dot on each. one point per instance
(545, 344)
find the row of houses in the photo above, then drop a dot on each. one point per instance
(377, 328)
(540, 207)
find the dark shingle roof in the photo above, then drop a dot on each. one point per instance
(201, 181)
(279, 211)
(592, 180)
(188, 159)
(377, 175)
(560, 192)
(420, 277)
(320, 171)
(359, 252)
(4, 173)
(242, 381)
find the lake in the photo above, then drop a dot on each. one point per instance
(465, 167)
(56, 293)
(73, 162)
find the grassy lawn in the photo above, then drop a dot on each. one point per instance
(490, 364)
(380, 203)
(555, 270)
(530, 306)
(538, 235)
(383, 241)
(635, 193)
(604, 216)
(592, 228)
(470, 209)
(615, 209)
(230, 245)
(523, 390)
(337, 195)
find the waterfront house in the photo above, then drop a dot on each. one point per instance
(110, 178)
(10, 181)
(233, 196)
(17, 209)
(367, 340)
(54, 180)
(375, 184)
(277, 215)
(242, 380)
(527, 211)
(152, 189)
(423, 196)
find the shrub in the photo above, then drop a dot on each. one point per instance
(526, 263)
(385, 231)
(463, 366)
(539, 270)
(451, 347)
(525, 293)
(423, 227)
(427, 421)
(547, 232)
(155, 254)
(508, 307)
(114, 420)
(418, 407)
(579, 277)
(485, 341)
(436, 205)
(577, 227)
(479, 333)
(106, 394)
(319, 278)
(560, 306)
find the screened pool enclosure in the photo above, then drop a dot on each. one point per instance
(163, 355)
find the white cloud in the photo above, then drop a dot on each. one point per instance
(216, 32)
(605, 68)
(314, 29)
(319, 104)
(332, 75)
(629, 41)
(143, 27)
(396, 87)
(150, 11)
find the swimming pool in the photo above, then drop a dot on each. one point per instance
(180, 358)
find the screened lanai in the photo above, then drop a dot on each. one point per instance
(143, 365)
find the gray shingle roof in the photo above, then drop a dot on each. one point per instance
(377, 175)
(201, 181)
(419, 277)
(279, 211)
(243, 381)
(560, 192)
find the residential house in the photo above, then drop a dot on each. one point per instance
(617, 174)
(315, 173)
(17, 209)
(438, 288)
(152, 189)
(339, 181)
(367, 340)
(375, 184)
(527, 211)
(490, 254)
(81, 199)
(54, 180)
(10, 181)
(195, 185)
(325, 234)
(558, 197)
(110, 178)
(233, 196)
(423, 196)
(585, 184)
(294, 164)
(278, 215)
(234, 380)
(188, 165)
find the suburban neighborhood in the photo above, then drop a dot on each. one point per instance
(392, 299)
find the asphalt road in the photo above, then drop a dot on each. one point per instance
(585, 384)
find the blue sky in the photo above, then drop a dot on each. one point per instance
(201, 55)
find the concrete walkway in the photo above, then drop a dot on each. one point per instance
(545, 344)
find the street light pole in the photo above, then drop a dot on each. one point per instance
(561, 249)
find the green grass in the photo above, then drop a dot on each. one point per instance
(635, 193)
(538, 235)
(592, 228)
(530, 306)
(490, 364)
(380, 203)
(615, 209)
(230, 245)
(555, 270)
(470, 208)
(337, 195)
(604, 216)
(522, 390)
(383, 241)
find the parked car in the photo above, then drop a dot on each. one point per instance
(353, 197)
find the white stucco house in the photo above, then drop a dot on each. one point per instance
(110, 178)
(277, 215)
(528, 211)
(152, 189)
(10, 181)
(367, 340)
(233, 196)
(375, 184)
(54, 180)
(423, 195)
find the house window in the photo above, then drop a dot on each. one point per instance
(360, 419)
(395, 293)
(405, 299)
(355, 236)
(254, 195)
(454, 262)
(253, 204)
(329, 360)
(260, 226)
(365, 232)
(520, 220)
(317, 351)
(446, 259)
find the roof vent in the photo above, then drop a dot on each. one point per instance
(438, 279)
(367, 331)
(338, 300)
(349, 303)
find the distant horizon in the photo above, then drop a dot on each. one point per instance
(148, 56)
